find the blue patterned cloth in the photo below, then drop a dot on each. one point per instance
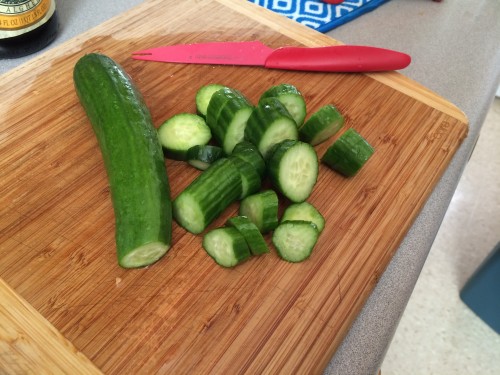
(318, 15)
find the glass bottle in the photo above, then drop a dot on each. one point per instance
(26, 26)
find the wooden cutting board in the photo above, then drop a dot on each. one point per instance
(185, 314)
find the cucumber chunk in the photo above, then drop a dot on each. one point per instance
(203, 97)
(291, 98)
(250, 178)
(261, 209)
(321, 125)
(293, 169)
(306, 212)
(248, 152)
(269, 124)
(249, 230)
(295, 240)
(202, 156)
(226, 246)
(181, 132)
(348, 153)
(227, 115)
(207, 196)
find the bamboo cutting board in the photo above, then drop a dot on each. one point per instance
(185, 314)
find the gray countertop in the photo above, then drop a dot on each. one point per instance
(455, 49)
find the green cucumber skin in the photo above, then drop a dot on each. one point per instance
(132, 153)
(203, 97)
(283, 92)
(249, 153)
(322, 124)
(263, 117)
(348, 153)
(304, 211)
(251, 233)
(213, 191)
(250, 178)
(215, 107)
(204, 155)
(240, 252)
(267, 219)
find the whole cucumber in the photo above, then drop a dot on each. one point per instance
(133, 159)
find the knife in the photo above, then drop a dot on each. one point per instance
(341, 58)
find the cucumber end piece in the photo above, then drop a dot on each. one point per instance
(144, 255)
(188, 213)
(226, 246)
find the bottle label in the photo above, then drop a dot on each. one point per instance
(21, 16)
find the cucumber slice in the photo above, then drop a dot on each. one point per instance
(295, 240)
(248, 152)
(181, 132)
(250, 178)
(202, 156)
(306, 212)
(321, 125)
(261, 209)
(226, 246)
(227, 115)
(249, 230)
(293, 169)
(203, 97)
(207, 196)
(269, 124)
(291, 98)
(348, 153)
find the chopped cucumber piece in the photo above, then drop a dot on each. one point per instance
(261, 209)
(249, 230)
(204, 95)
(202, 156)
(250, 178)
(321, 125)
(226, 246)
(248, 152)
(293, 169)
(295, 240)
(348, 153)
(269, 124)
(181, 132)
(207, 196)
(291, 98)
(306, 212)
(227, 115)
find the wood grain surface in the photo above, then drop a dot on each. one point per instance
(185, 314)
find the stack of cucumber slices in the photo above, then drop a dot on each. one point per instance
(247, 144)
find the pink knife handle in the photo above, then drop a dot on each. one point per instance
(344, 58)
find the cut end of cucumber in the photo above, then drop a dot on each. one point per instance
(295, 240)
(279, 131)
(226, 246)
(188, 213)
(144, 255)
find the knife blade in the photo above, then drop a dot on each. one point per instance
(340, 58)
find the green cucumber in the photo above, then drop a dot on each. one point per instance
(226, 246)
(181, 132)
(291, 98)
(207, 196)
(295, 240)
(306, 212)
(321, 125)
(348, 153)
(262, 209)
(202, 156)
(203, 97)
(269, 124)
(250, 178)
(251, 233)
(133, 159)
(248, 152)
(293, 169)
(228, 112)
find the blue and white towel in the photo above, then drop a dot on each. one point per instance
(318, 15)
